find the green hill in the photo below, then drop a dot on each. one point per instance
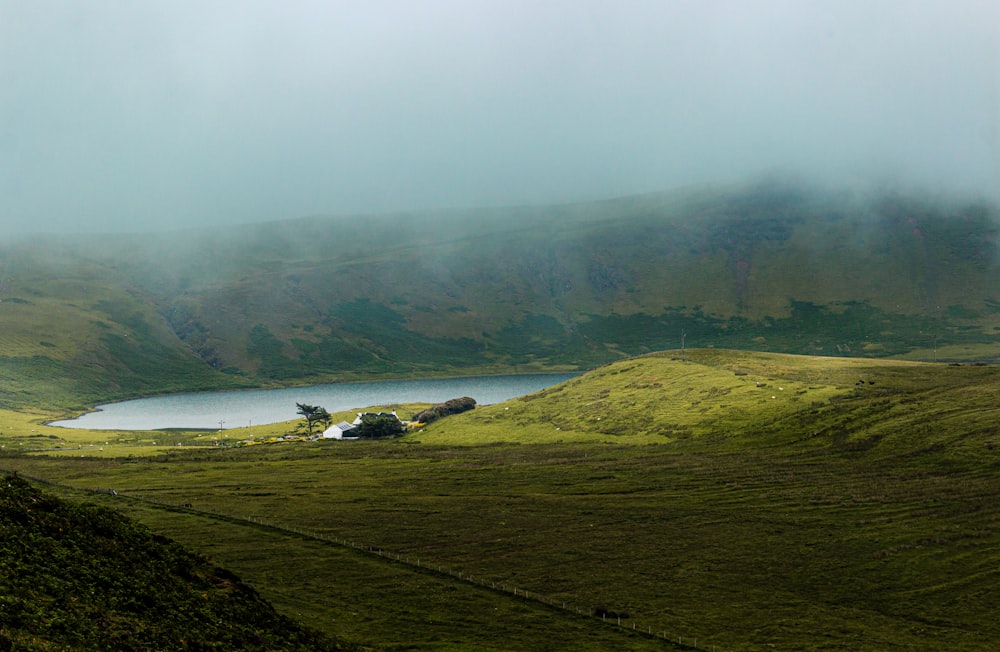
(80, 577)
(771, 266)
(725, 400)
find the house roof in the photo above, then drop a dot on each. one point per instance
(343, 426)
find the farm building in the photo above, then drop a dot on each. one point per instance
(338, 431)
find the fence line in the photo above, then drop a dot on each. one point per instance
(615, 621)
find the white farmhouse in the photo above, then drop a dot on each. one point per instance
(338, 431)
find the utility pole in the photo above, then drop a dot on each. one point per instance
(683, 335)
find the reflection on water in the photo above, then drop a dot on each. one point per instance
(205, 410)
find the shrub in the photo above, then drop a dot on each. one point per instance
(451, 406)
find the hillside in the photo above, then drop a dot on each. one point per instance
(738, 400)
(74, 576)
(772, 266)
(749, 501)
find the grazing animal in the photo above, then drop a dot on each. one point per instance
(604, 612)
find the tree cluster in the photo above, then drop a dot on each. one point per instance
(379, 426)
(451, 406)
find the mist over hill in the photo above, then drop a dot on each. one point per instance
(773, 265)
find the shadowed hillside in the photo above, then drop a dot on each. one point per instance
(772, 266)
(84, 577)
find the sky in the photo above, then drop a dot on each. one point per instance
(141, 115)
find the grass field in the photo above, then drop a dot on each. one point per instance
(749, 501)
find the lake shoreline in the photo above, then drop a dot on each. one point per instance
(195, 410)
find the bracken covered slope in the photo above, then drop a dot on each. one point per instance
(75, 576)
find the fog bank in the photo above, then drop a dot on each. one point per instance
(122, 116)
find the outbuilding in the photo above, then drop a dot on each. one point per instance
(338, 431)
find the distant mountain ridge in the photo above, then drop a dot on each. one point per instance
(767, 266)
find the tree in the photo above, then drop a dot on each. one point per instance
(314, 414)
(451, 406)
(379, 426)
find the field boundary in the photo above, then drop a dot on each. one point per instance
(620, 621)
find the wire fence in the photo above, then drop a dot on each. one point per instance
(611, 618)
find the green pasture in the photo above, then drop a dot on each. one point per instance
(749, 501)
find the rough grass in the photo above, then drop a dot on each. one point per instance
(663, 398)
(81, 577)
(854, 510)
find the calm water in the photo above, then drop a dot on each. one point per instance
(206, 410)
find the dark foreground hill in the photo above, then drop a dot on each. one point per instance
(773, 267)
(81, 577)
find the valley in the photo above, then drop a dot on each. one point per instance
(783, 434)
(500, 326)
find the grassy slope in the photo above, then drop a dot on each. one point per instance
(760, 267)
(749, 500)
(82, 577)
(660, 398)
(74, 332)
(764, 268)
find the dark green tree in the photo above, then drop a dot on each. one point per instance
(451, 406)
(313, 414)
(379, 426)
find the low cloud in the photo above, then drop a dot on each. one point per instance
(120, 116)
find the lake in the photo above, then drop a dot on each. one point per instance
(236, 409)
